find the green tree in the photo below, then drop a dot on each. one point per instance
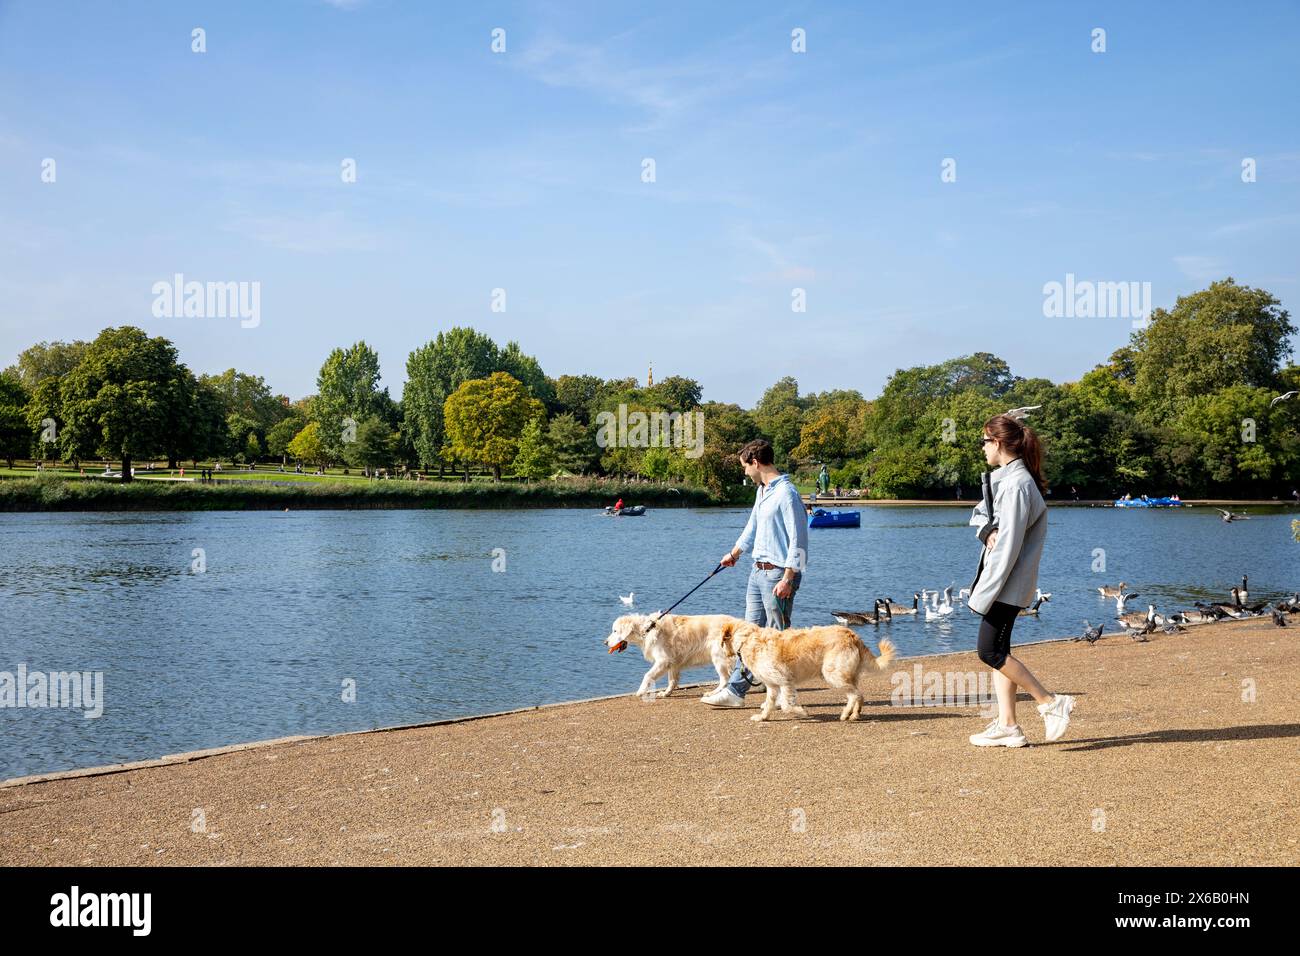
(535, 458)
(779, 416)
(45, 417)
(374, 446)
(348, 393)
(47, 360)
(485, 418)
(119, 400)
(572, 444)
(576, 395)
(307, 446)
(435, 370)
(281, 434)
(15, 432)
(1221, 336)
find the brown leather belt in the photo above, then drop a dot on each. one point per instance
(764, 566)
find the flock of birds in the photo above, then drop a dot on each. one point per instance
(1139, 624)
(937, 605)
(925, 603)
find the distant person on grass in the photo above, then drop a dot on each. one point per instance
(777, 533)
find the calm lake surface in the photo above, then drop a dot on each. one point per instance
(293, 605)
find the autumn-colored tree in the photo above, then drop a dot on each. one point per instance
(484, 419)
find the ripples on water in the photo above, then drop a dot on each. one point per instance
(407, 605)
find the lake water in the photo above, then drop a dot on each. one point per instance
(294, 605)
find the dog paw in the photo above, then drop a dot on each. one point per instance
(758, 718)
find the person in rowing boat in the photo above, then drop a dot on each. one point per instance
(777, 533)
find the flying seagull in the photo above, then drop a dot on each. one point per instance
(1021, 413)
(1231, 516)
(1283, 397)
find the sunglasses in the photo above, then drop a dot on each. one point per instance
(985, 441)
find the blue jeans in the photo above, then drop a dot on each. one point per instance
(765, 609)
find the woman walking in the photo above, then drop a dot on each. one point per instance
(1012, 533)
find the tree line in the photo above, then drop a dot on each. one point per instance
(1189, 405)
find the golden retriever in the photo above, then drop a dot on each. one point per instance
(676, 642)
(780, 659)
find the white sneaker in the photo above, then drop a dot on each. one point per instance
(1056, 715)
(995, 735)
(724, 697)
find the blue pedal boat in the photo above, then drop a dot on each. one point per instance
(821, 518)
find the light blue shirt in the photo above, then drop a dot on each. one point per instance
(777, 529)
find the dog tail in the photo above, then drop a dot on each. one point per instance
(885, 653)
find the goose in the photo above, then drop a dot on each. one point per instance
(1113, 592)
(1202, 615)
(1244, 591)
(1122, 599)
(627, 601)
(1292, 605)
(860, 618)
(1235, 609)
(1139, 618)
(903, 608)
(1039, 599)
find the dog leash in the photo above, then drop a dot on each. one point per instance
(686, 595)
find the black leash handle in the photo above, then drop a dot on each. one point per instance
(685, 596)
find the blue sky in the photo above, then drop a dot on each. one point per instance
(522, 170)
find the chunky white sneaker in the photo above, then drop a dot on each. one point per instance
(995, 735)
(1056, 715)
(725, 697)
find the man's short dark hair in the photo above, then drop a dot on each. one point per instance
(759, 450)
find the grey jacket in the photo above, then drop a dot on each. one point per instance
(1009, 572)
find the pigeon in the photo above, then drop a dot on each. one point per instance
(1172, 628)
(1283, 397)
(1279, 618)
(627, 601)
(1090, 633)
(1139, 634)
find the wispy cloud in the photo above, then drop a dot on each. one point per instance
(322, 233)
(663, 92)
(1253, 225)
(1201, 268)
(783, 266)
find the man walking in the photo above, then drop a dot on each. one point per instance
(777, 532)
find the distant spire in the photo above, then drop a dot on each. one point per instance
(650, 376)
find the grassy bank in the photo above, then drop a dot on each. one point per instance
(86, 494)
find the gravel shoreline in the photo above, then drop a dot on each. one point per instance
(1168, 762)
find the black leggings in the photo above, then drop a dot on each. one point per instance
(995, 634)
